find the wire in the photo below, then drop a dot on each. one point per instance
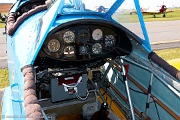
(81, 98)
(142, 93)
(156, 108)
(138, 91)
(129, 87)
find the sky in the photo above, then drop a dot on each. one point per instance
(129, 4)
(143, 3)
(152, 3)
(7, 1)
(168, 3)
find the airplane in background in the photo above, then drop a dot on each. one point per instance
(101, 9)
(153, 11)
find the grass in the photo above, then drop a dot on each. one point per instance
(126, 17)
(2, 24)
(172, 56)
(4, 80)
(169, 54)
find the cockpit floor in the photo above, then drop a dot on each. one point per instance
(69, 117)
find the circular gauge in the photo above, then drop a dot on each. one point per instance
(110, 40)
(97, 48)
(83, 50)
(69, 51)
(68, 36)
(97, 34)
(53, 45)
(83, 35)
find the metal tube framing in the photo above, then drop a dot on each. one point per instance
(127, 89)
(149, 94)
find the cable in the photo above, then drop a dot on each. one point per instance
(137, 91)
(129, 87)
(80, 98)
(156, 108)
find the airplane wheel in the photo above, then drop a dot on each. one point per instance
(32, 107)
(164, 15)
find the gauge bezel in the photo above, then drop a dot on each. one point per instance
(86, 35)
(68, 36)
(99, 47)
(69, 55)
(58, 45)
(97, 34)
(109, 38)
(45, 49)
(83, 53)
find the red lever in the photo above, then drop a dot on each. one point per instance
(127, 69)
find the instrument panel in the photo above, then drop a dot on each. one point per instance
(78, 43)
(84, 43)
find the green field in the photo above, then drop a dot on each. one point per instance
(4, 78)
(126, 17)
(2, 24)
(169, 54)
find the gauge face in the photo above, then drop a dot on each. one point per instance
(97, 48)
(97, 34)
(69, 51)
(110, 40)
(83, 35)
(83, 50)
(53, 45)
(68, 36)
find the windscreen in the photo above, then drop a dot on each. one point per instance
(89, 5)
(127, 16)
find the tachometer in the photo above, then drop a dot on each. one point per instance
(69, 36)
(97, 34)
(53, 45)
(110, 40)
